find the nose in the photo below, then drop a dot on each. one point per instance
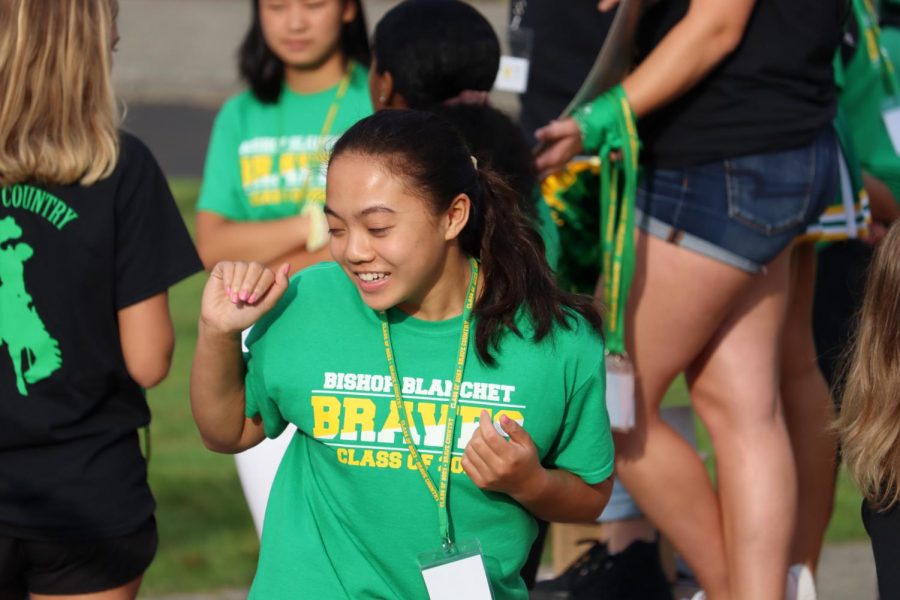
(297, 16)
(358, 250)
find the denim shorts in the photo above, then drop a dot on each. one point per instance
(742, 211)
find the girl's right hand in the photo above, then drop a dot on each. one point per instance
(238, 294)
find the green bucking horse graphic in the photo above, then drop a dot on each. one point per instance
(27, 341)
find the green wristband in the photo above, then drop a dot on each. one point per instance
(598, 120)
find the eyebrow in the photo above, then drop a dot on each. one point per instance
(376, 208)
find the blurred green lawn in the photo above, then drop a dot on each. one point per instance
(207, 540)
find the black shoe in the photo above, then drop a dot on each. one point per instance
(633, 574)
(577, 577)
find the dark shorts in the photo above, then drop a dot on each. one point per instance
(66, 568)
(742, 211)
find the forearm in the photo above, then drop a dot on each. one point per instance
(265, 242)
(217, 393)
(560, 496)
(707, 34)
(883, 204)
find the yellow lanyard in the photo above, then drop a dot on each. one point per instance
(440, 496)
(330, 116)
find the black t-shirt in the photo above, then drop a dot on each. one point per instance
(884, 530)
(568, 36)
(774, 92)
(70, 258)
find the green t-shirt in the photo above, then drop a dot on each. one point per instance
(869, 83)
(348, 514)
(239, 180)
(547, 229)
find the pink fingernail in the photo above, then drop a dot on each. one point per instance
(242, 295)
(251, 299)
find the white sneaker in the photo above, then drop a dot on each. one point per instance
(800, 584)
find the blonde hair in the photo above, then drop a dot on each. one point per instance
(58, 115)
(870, 413)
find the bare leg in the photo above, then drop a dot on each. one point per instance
(808, 411)
(734, 387)
(126, 592)
(678, 301)
(621, 534)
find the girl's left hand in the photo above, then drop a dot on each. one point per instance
(510, 466)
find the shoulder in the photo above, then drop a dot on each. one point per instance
(318, 292)
(134, 156)
(236, 109)
(238, 104)
(131, 148)
(359, 85)
(327, 279)
(359, 75)
(578, 335)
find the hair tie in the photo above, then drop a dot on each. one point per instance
(469, 98)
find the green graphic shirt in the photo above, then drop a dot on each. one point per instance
(349, 514)
(870, 85)
(241, 180)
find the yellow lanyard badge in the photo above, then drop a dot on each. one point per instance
(438, 493)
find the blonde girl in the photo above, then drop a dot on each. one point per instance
(870, 411)
(90, 241)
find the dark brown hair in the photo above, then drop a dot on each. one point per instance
(429, 154)
(263, 70)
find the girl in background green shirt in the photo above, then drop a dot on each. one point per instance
(264, 181)
(426, 242)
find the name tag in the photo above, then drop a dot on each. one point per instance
(891, 116)
(620, 393)
(457, 574)
(512, 75)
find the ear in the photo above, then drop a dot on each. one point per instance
(349, 13)
(383, 93)
(457, 216)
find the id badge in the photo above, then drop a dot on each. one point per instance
(459, 573)
(620, 392)
(512, 76)
(890, 112)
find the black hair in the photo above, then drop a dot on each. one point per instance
(428, 153)
(435, 49)
(499, 144)
(264, 71)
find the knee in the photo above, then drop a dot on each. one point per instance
(729, 412)
(630, 446)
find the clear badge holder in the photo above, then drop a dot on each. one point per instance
(457, 572)
(512, 76)
(620, 392)
(890, 113)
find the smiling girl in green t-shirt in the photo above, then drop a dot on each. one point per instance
(370, 358)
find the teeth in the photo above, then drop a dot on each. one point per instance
(372, 276)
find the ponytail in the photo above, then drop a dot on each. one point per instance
(516, 274)
(430, 155)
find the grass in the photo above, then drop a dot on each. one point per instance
(207, 540)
